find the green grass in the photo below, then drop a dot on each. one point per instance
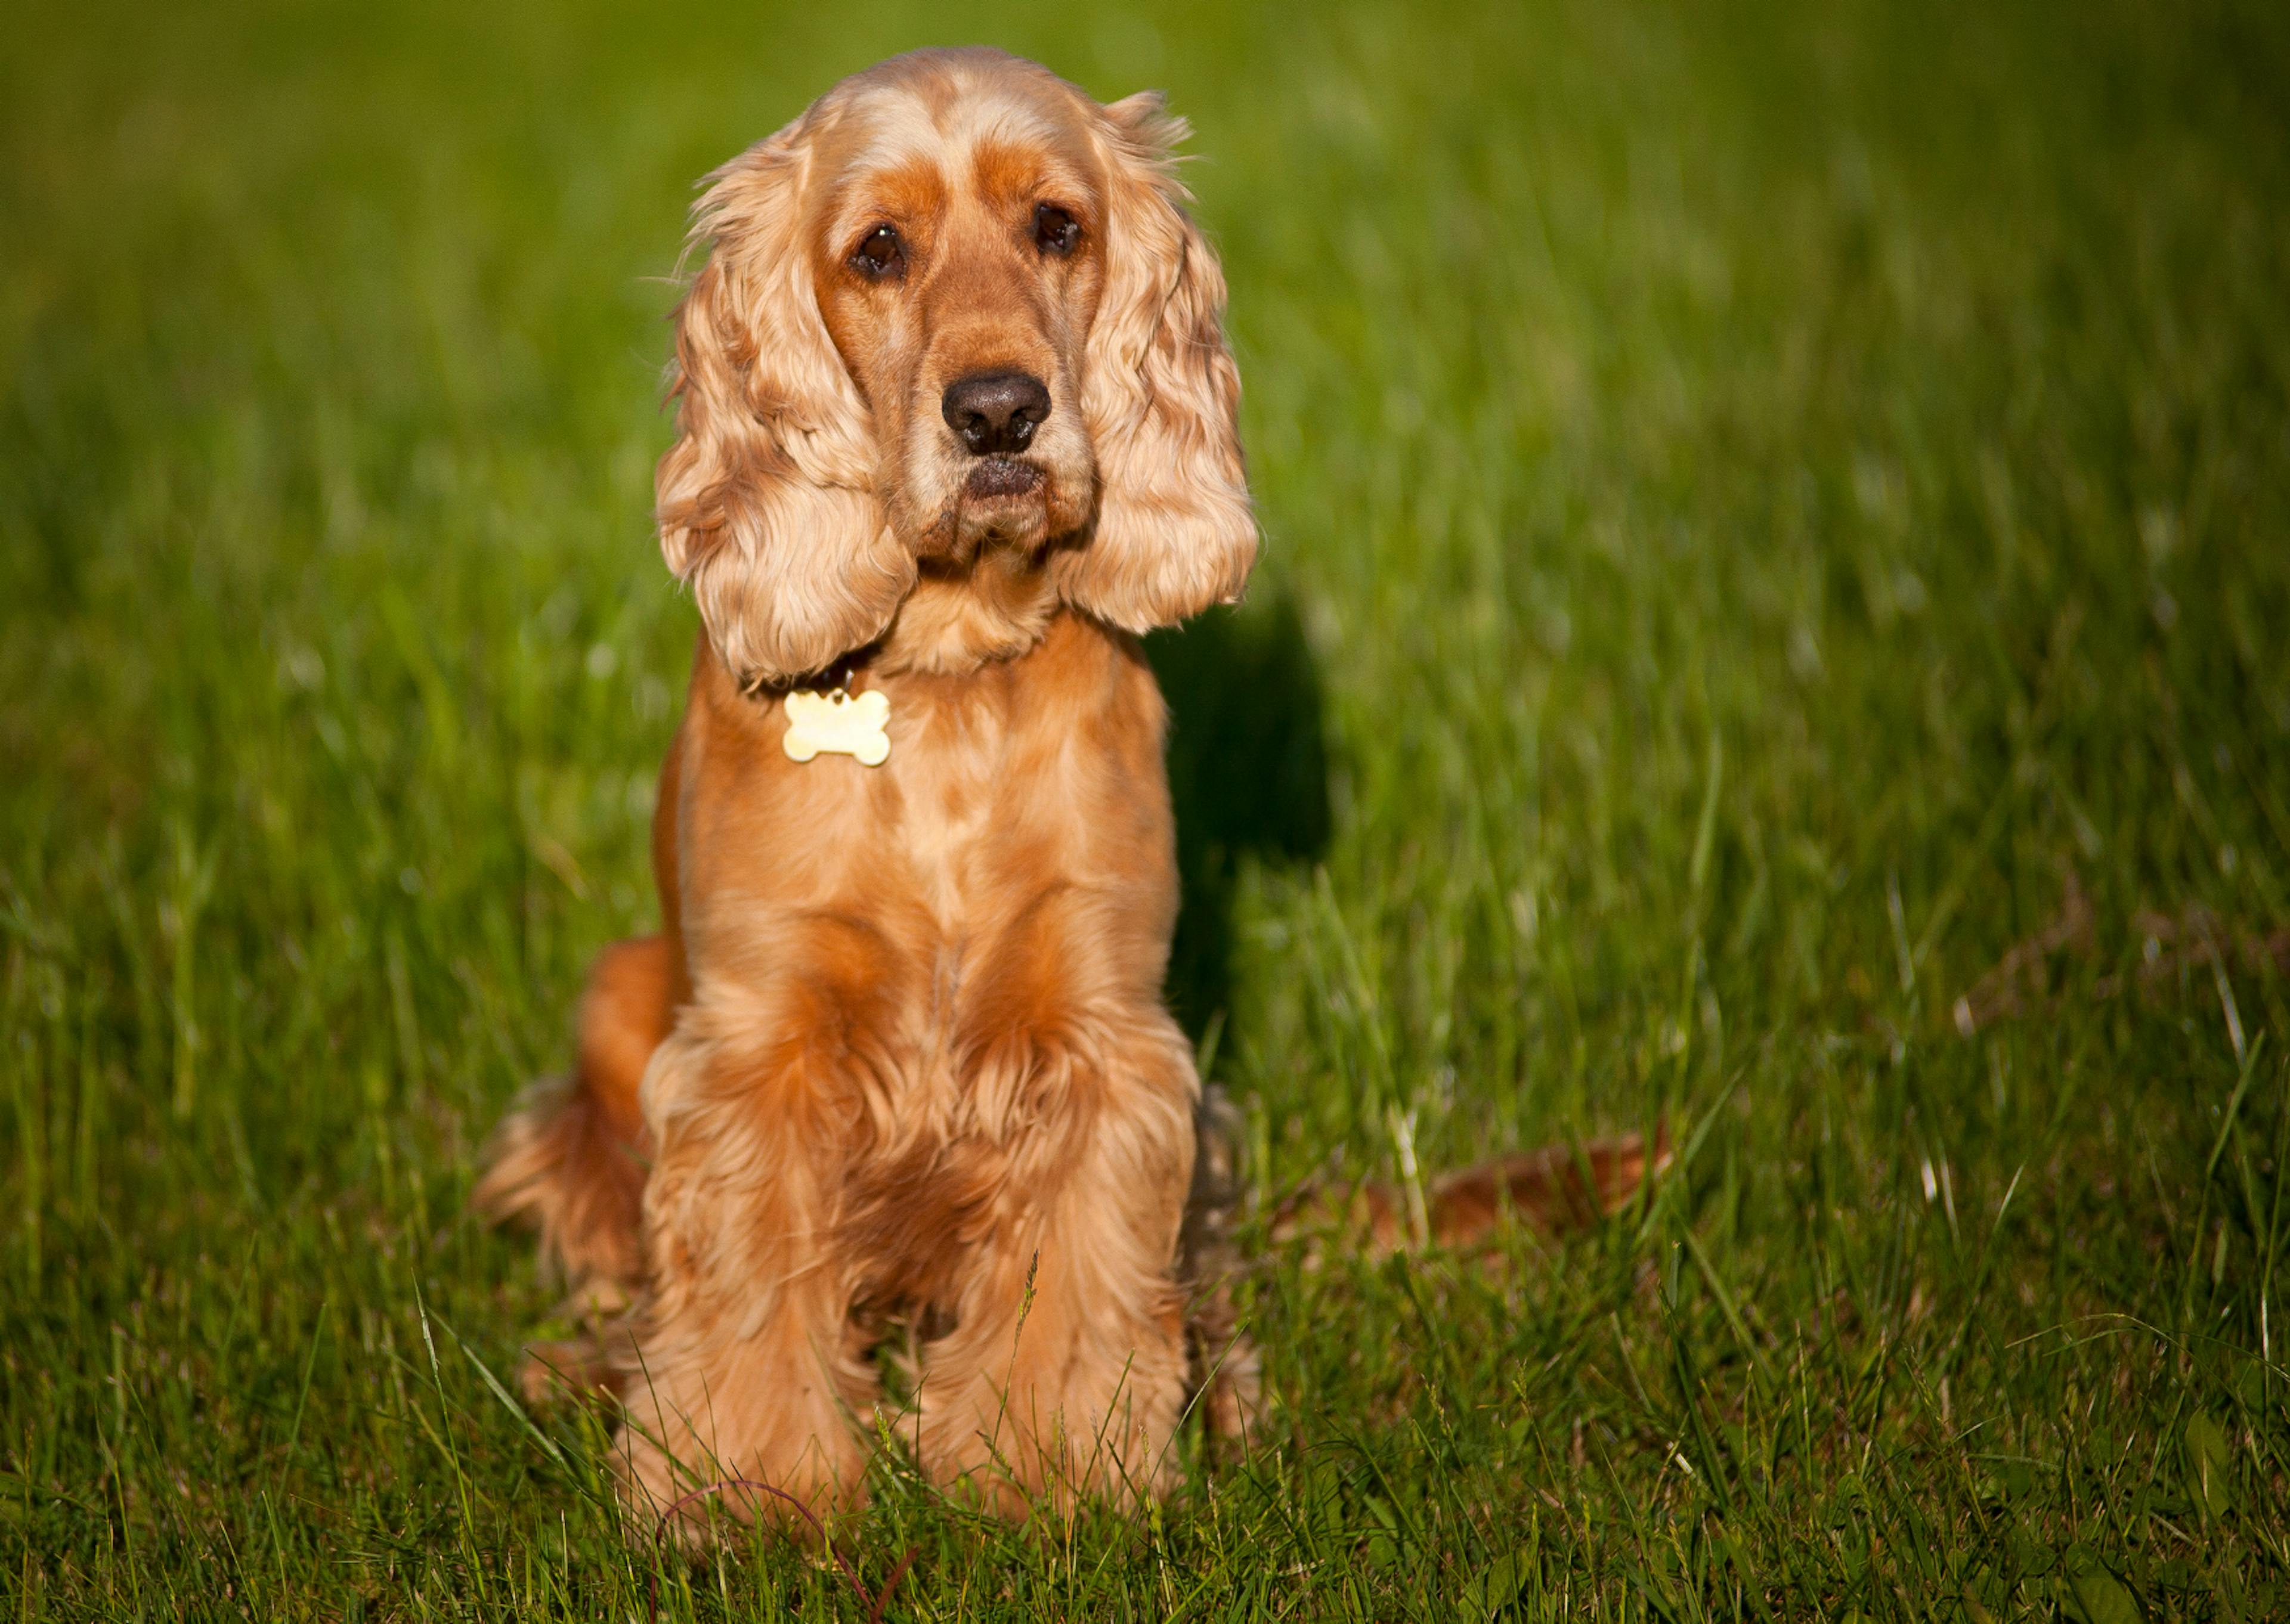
(1759, 499)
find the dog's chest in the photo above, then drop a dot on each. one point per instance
(951, 773)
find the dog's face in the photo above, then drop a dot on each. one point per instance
(956, 308)
(958, 251)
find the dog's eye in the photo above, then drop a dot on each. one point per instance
(879, 253)
(1055, 231)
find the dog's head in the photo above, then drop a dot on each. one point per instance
(955, 310)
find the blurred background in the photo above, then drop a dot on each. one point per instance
(1773, 618)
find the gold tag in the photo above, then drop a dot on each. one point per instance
(840, 724)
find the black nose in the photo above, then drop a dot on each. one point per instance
(995, 411)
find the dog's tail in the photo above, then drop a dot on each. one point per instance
(1559, 1188)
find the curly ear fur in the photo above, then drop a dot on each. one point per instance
(1174, 532)
(766, 501)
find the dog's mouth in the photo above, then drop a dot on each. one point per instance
(1002, 501)
(996, 477)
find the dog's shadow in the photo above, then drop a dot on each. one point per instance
(1248, 775)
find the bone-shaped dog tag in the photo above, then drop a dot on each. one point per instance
(840, 724)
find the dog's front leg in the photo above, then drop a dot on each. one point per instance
(744, 1363)
(1064, 1377)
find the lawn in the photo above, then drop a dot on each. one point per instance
(1775, 619)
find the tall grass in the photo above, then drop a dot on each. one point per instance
(1768, 507)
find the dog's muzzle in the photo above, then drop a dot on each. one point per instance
(1002, 476)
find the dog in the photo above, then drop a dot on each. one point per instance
(956, 426)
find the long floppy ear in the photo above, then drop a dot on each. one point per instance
(766, 501)
(1175, 533)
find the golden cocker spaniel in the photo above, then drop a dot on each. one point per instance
(954, 425)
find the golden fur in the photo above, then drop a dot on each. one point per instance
(899, 1052)
(898, 1055)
